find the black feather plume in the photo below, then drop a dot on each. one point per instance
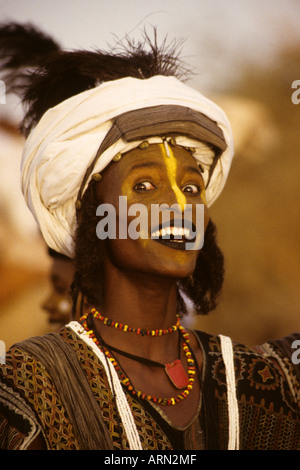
(43, 74)
(22, 48)
(24, 45)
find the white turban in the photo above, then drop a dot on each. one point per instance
(65, 141)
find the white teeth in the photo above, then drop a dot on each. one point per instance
(175, 231)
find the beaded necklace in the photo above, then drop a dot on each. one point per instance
(138, 331)
(171, 369)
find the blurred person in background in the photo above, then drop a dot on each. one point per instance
(58, 303)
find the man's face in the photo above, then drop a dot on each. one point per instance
(156, 175)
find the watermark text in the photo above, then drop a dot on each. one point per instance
(2, 92)
(2, 352)
(162, 223)
(296, 353)
(296, 93)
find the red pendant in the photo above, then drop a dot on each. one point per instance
(177, 374)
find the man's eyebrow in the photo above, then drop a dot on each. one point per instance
(149, 164)
(145, 165)
(194, 169)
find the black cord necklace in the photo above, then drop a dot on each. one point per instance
(142, 360)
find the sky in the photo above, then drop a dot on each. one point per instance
(219, 36)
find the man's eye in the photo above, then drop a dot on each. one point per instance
(191, 188)
(144, 186)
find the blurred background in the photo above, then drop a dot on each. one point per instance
(245, 56)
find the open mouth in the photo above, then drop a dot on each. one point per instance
(174, 235)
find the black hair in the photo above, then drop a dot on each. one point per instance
(42, 74)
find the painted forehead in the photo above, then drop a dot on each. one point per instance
(162, 153)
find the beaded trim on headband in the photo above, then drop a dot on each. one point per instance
(159, 121)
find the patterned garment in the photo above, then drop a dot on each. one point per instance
(268, 392)
(34, 398)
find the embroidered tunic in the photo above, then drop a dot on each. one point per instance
(68, 399)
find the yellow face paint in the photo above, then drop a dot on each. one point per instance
(171, 165)
(203, 196)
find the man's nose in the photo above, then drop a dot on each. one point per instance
(174, 193)
(171, 200)
(48, 304)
